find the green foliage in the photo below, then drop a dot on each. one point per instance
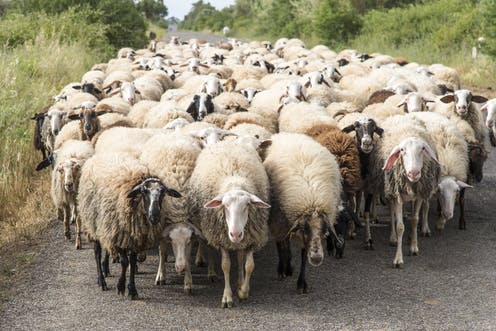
(488, 24)
(154, 10)
(336, 21)
(125, 26)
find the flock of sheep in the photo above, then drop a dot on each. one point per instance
(227, 145)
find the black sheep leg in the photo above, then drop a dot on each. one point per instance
(105, 264)
(461, 220)
(284, 268)
(121, 285)
(369, 244)
(98, 259)
(131, 287)
(301, 284)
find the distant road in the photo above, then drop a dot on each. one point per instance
(187, 35)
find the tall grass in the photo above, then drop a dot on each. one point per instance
(32, 72)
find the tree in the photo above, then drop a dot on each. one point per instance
(336, 21)
(154, 10)
(488, 26)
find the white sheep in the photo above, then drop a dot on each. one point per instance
(69, 159)
(306, 185)
(490, 108)
(229, 188)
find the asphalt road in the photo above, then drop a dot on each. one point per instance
(451, 285)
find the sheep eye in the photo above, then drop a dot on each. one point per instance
(402, 149)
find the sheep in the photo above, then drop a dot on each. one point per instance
(124, 140)
(464, 107)
(116, 77)
(176, 124)
(148, 88)
(200, 106)
(306, 188)
(249, 117)
(172, 158)
(217, 119)
(344, 148)
(229, 188)
(490, 108)
(57, 118)
(230, 102)
(129, 93)
(211, 86)
(452, 151)
(249, 93)
(114, 104)
(139, 110)
(299, 117)
(414, 177)
(38, 142)
(120, 208)
(445, 75)
(414, 102)
(70, 157)
(89, 122)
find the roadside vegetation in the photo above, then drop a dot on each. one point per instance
(44, 45)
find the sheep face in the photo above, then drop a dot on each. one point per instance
(477, 155)
(448, 190)
(210, 136)
(212, 86)
(295, 90)
(152, 191)
(490, 108)
(201, 106)
(70, 171)
(236, 204)
(414, 102)
(311, 230)
(129, 92)
(412, 152)
(332, 73)
(462, 100)
(180, 236)
(249, 93)
(365, 129)
(57, 120)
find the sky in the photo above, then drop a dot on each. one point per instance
(179, 8)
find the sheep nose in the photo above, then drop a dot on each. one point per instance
(413, 175)
(131, 101)
(448, 215)
(87, 127)
(316, 259)
(55, 132)
(236, 236)
(180, 267)
(69, 187)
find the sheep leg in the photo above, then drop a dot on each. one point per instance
(369, 244)
(211, 273)
(78, 227)
(461, 220)
(244, 291)
(121, 284)
(98, 259)
(67, 229)
(200, 255)
(415, 219)
(393, 238)
(397, 207)
(227, 301)
(105, 264)
(301, 284)
(284, 269)
(131, 287)
(352, 227)
(162, 253)
(358, 200)
(188, 280)
(441, 221)
(241, 273)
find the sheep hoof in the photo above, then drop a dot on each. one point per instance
(426, 234)
(302, 287)
(67, 236)
(393, 243)
(281, 276)
(200, 264)
(398, 265)
(133, 296)
(369, 245)
(78, 245)
(187, 291)
(227, 304)
(141, 257)
(160, 282)
(242, 295)
(213, 278)
(462, 227)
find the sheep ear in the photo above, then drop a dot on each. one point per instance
(114, 92)
(280, 108)
(135, 191)
(484, 108)
(258, 202)
(74, 117)
(395, 153)
(307, 84)
(77, 87)
(101, 112)
(296, 226)
(402, 103)
(166, 231)
(448, 98)
(137, 92)
(265, 144)
(479, 99)
(196, 231)
(348, 128)
(203, 88)
(427, 100)
(191, 109)
(43, 164)
(428, 150)
(325, 82)
(214, 203)
(379, 131)
(463, 184)
(173, 193)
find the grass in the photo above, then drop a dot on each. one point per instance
(30, 75)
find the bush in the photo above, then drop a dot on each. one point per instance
(488, 19)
